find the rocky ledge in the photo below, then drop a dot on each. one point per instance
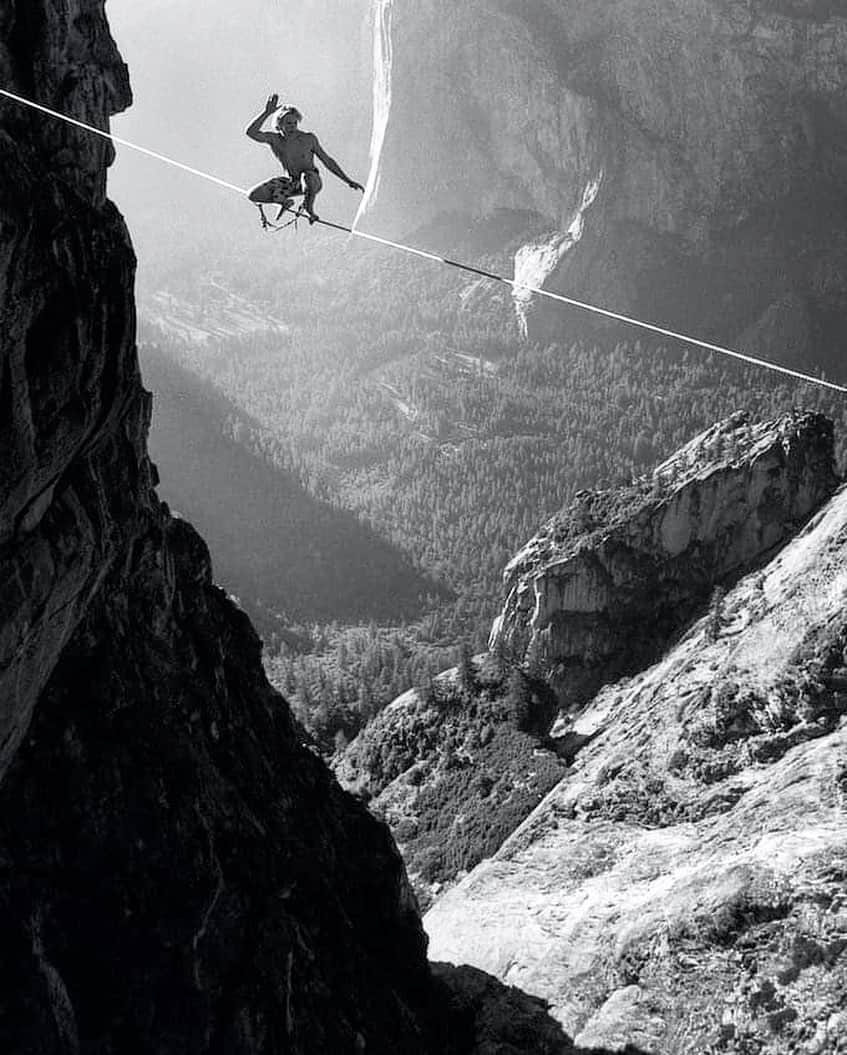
(606, 583)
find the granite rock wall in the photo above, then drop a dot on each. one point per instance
(605, 584)
(716, 130)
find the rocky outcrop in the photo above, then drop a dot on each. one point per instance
(72, 411)
(455, 767)
(605, 584)
(683, 887)
(716, 130)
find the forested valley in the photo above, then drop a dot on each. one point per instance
(366, 439)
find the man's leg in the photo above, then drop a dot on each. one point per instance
(277, 191)
(313, 185)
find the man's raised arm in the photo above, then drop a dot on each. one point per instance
(253, 130)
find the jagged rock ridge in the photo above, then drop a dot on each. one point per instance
(683, 887)
(604, 585)
(602, 589)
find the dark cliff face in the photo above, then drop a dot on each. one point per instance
(72, 410)
(179, 874)
(715, 132)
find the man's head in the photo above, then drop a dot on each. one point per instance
(288, 119)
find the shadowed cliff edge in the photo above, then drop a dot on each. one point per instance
(177, 873)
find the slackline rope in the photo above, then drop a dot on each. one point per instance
(521, 286)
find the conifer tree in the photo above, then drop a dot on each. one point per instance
(519, 698)
(468, 681)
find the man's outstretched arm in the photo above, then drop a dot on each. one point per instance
(254, 129)
(333, 166)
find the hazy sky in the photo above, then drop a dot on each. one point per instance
(200, 72)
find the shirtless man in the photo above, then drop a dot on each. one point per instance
(296, 152)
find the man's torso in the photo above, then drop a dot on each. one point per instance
(295, 152)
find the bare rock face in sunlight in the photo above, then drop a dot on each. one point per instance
(716, 130)
(606, 583)
(478, 117)
(683, 886)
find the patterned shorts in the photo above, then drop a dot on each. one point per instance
(281, 188)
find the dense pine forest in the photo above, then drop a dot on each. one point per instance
(424, 439)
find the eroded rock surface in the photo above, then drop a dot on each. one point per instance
(180, 870)
(606, 583)
(683, 888)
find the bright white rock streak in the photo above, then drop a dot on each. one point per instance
(534, 263)
(382, 62)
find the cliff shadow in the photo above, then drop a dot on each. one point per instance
(487, 1016)
(460, 235)
(281, 551)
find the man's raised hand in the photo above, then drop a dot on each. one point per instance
(272, 103)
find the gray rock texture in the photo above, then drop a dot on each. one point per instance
(683, 887)
(189, 875)
(716, 128)
(73, 414)
(605, 584)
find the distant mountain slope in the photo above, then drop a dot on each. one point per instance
(683, 887)
(707, 136)
(277, 548)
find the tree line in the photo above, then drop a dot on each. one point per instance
(444, 432)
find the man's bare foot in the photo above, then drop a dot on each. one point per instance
(313, 217)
